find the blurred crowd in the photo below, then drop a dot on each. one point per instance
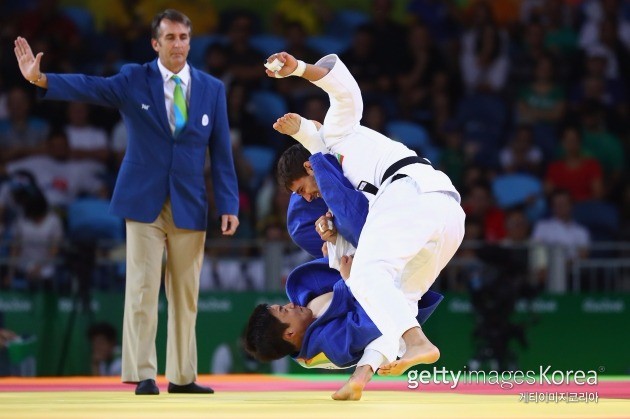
(521, 102)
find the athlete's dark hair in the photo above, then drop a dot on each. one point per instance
(263, 336)
(291, 165)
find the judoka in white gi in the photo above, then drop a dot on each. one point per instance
(415, 222)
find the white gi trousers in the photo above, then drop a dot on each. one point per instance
(408, 238)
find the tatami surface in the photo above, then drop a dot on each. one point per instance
(259, 396)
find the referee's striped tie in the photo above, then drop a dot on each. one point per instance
(179, 106)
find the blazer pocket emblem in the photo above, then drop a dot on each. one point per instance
(205, 120)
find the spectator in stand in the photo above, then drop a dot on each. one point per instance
(60, 178)
(440, 18)
(244, 60)
(604, 146)
(37, 236)
(521, 155)
(598, 13)
(21, 134)
(312, 15)
(517, 227)
(118, 143)
(576, 172)
(483, 59)
(470, 264)
(46, 21)
(618, 58)
(418, 70)
(6, 336)
(484, 64)
(479, 203)
(453, 158)
(390, 37)
(597, 85)
(445, 90)
(364, 62)
(4, 109)
(374, 116)
(273, 224)
(296, 37)
(87, 142)
(558, 17)
(217, 63)
(624, 215)
(106, 353)
(561, 229)
(315, 107)
(531, 50)
(240, 117)
(523, 256)
(542, 101)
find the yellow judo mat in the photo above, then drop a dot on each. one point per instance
(84, 397)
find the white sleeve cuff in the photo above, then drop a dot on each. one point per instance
(372, 358)
(333, 260)
(309, 137)
(341, 247)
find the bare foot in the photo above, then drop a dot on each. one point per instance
(353, 388)
(414, 355)
(288, 124)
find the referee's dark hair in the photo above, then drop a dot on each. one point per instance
(172, 15)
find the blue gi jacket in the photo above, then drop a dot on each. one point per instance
(157, 165)
(337, 338)
(349, 206)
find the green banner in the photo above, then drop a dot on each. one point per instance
(568, 332)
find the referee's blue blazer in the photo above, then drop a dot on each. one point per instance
(157, 165)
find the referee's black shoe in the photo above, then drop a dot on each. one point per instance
(145, 387)
(193, 388)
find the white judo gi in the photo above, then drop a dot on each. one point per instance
(414, 225)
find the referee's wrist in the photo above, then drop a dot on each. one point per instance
(39, 78)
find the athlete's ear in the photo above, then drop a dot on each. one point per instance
(308, 168)
(288, 334)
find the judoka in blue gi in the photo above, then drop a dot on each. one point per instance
(324, 326)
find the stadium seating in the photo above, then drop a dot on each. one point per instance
(89, 220)
(268, 44)
(484, 120)
(415, 137)
(81, 17)
(345, 22)
(267, 107)
(599, 217)
(325, 44)
(199, 45)
(261, 160)
(513, 190)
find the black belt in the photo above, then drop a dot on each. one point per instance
(369, 188)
